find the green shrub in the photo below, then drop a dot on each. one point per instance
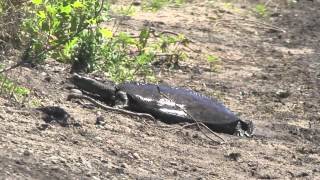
(55, 27)
(70, 31)
(261, 10)
(155, 5)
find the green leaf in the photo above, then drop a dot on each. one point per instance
(78, 4)
(212, 58)
(22, 91)
(69, 47)
(42, 14)
(37, 2)
(106, 33)
(66, 9)
(92, 21)
(125, 38)
(51, 9)
(261, 10)
(144, 59)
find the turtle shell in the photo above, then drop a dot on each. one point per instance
(174, 105)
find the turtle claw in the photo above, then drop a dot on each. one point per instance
(240, 132)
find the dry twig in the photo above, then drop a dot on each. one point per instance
(108, 108)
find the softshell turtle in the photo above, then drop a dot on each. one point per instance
(168, 104)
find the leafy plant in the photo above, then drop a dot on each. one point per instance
(261, 10)
(69, 31)
(124, 10)
(55, 26)
(155, 5)
(129, 56)
(8, 87)
(213, 60)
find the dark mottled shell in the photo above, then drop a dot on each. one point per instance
(146, 98)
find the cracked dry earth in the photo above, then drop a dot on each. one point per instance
(268, 73)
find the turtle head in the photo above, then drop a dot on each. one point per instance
(244, 128)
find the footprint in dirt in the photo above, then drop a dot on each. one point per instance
(55, 114)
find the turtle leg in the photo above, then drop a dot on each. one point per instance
(238, 130)
(121, 101)
(244, 129)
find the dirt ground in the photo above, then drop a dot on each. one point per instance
(268, 73)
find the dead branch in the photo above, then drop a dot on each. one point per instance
(268, 26)
(108, 108)
(12, 67)
(257, 24)
(196, 121)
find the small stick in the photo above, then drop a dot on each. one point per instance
(269, 26)
(153, 32)
(179, 128)
(20, 63)
(197, 122)
(108, 108)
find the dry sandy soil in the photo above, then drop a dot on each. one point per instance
(269, 74)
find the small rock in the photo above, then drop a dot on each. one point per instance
(196, 135)
(136, 155)
(288, 41)
(282, 93)
(136, 3)
(104, 161)
(124, 165)
(20, 162)
(263, 77)
(100, 120)
(276, 14)
(303, 174)
(26, 153)
(98, 138)
(233, 156)
(48, 78)
(43, 127)
(175, 173)
(120, 170)
(173, 163)
(44, 74)
(242, 93)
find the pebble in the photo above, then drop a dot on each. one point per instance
(282, 93)
(44, 126)
(175, 173)
(173, 163)
(100, 120)
(136, 3)
(44, 74)
(124, 165)
(98, 138)
(136, 155)
(234, 156)
(48, 78)
(26, 153)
